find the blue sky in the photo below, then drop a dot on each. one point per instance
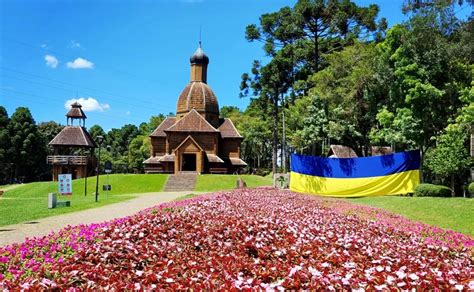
(128, 59)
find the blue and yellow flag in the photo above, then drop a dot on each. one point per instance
(397, 173)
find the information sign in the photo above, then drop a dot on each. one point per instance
(65, 184)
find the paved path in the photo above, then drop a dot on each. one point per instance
(19, 232)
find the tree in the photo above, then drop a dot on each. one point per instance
(5, 147)
(29, 150)
(351, 90)
(49, 130)
(450, 156)
(256, 144)
(295, 38)
(229, 111)
(138, 151)
(427, 59)
(416, 6)
(95, 131)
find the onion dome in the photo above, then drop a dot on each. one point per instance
(199, 57)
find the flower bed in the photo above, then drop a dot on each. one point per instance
(259, 238)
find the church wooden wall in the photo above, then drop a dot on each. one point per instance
(158, 146)
(230, 148)
(205, 140)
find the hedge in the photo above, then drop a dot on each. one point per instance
(471, 188)
(430, 190)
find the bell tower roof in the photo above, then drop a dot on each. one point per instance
(76, 113)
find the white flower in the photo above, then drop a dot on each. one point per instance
(314, 272)
(294, 270)
(390, 279)
(169, 280)
(401, 274)
(413, 277)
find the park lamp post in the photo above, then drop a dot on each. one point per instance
(99, 139)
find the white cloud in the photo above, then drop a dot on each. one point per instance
(44, 46)
(51, 61)
(80, 63)
(127, 113)
(88, 104)
(75, 45)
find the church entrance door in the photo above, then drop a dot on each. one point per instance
(189, 162)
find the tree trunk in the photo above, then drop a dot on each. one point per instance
(316, 52)
(452, 186)
(421, 164)
(275, 134)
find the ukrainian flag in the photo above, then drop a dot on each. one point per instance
(397, 173)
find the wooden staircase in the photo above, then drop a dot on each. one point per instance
(183, 181)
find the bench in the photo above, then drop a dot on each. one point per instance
(215, 170)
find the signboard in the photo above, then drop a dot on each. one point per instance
(65, 184)
(108, 166)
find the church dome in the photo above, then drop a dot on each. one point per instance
(199, 57)
(199, 96)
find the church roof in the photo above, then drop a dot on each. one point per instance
(199, 96)
(228, 129)
(160, 130)
(214, 158)
(192, 122)
(237, 161)
(73, 136)
(76, 111)
(159, 159)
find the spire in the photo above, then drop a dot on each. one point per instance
(200, 44)
(199, 61)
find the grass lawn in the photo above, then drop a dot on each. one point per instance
(30, 201)
(217, 182)
(449, 213)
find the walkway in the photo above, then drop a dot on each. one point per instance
(40, 227)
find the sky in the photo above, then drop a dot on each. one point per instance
(127, 60)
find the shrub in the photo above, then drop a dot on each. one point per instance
(263, 171)
(430, 190)
(471, 188)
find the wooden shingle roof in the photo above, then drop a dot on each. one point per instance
(381, 150)
(73, 136)
(160, 130)
(228, 129)
(199, 96)
(340, 151)
(76, 111)
(192, 122)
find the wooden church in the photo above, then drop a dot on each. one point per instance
(196, 140)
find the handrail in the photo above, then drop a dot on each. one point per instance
(67, 159)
